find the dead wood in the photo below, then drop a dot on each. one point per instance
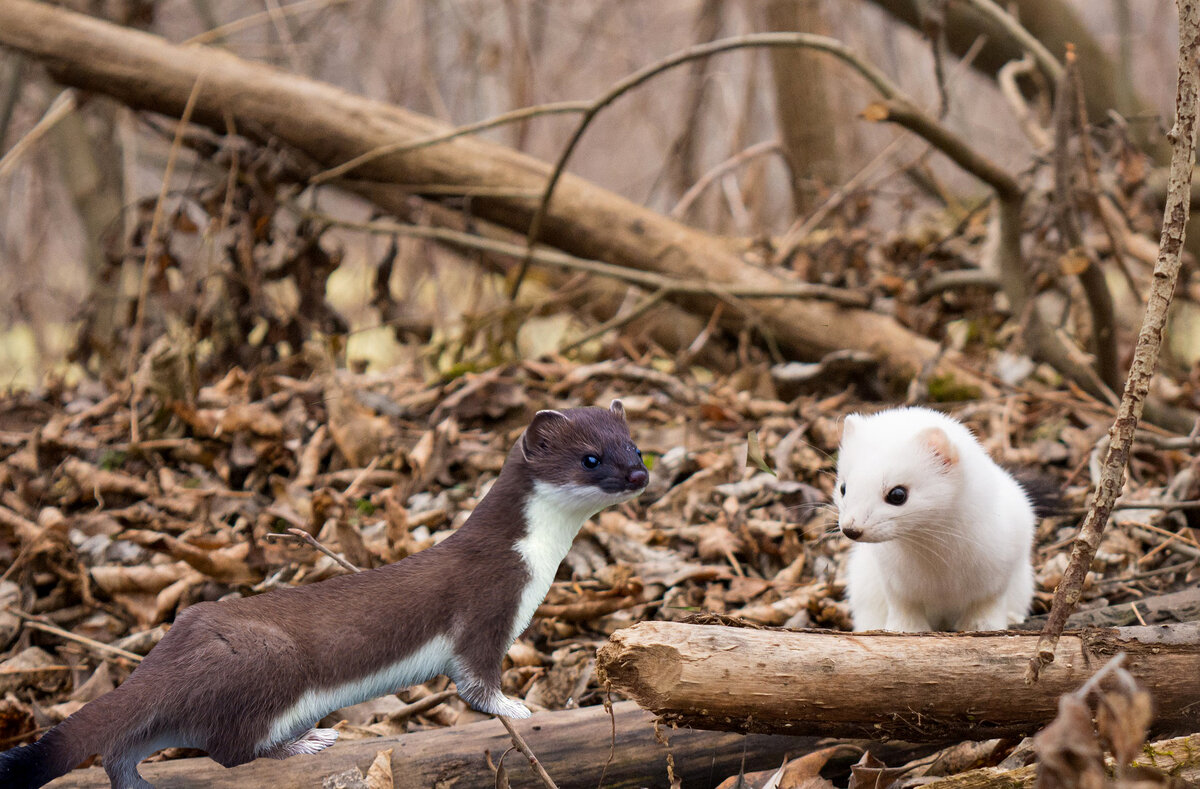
(915, 687)
(1183, 606)
(332, 127)
(573, 745)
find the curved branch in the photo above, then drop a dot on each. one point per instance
(1048, 64)
(870, 72)
(732, 163)
(902, 112)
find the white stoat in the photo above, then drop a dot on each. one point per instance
(942, 533)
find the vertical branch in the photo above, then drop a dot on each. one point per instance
(139, 319)
(1166, 270)
(1091, 278)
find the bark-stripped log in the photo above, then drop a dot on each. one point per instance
(573, 746)
(916, 687)
(332, 127)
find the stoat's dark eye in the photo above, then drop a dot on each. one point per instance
(639, 452)
(843, 488)
(896, 496)
(590, 461)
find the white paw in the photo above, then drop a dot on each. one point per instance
(510, 708)
(499, 704)
(311, 741)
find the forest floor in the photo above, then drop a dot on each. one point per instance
(104, 539)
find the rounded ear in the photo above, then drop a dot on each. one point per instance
(937, 443)
(618, 408)
(850, 424)
(537, 433)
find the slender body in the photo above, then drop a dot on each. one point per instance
(942, 533)
(248, 678)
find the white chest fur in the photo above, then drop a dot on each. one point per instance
(430, 660)
(554, 514)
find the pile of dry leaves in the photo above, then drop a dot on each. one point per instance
(104, 540)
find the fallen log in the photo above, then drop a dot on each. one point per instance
(919, 687)
(332, 127)
(573, 746)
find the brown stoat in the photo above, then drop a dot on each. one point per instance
(242, 679)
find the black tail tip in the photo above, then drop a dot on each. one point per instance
(1044, 492)
(25, 767)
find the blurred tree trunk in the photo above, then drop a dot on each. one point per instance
(682, 165)
(806, 124)
(92, 173)
(1054, 23)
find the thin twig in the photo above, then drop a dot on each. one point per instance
(871, 73)
(1145, 355)
(303, 536)
(1090, 169)
(91, 643)
(732, 163)
(238, 25)
(617, 321)
(1006, 79)
(519, 741)
(1045, 61)
(524, 113)
(1091, 278)
(652, 281)
(61, 107)
(151, 250)
(422, 705)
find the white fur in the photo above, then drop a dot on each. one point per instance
(956, 554)
(554, 514)
(434, 658)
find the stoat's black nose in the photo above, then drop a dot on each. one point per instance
(638, 477)
(853, 532)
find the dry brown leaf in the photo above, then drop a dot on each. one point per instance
(717, 542)
(114, 579)
(379, 775)
(1122, 720)
(800, 773)
(870, 773)
(1068, 754)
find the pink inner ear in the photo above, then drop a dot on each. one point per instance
(938, 443)
(849, 424)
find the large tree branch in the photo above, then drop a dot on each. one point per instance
(333, 127)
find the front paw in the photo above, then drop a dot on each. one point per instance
(510, 708)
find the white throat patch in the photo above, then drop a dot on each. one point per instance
(554, 514)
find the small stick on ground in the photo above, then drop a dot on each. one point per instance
(303, 536)
(91, 643)
(519, 741)
(1145, 355)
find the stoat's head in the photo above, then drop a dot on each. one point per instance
(899, 476)
(585, 454)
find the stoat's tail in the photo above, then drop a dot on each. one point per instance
(61, 749)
